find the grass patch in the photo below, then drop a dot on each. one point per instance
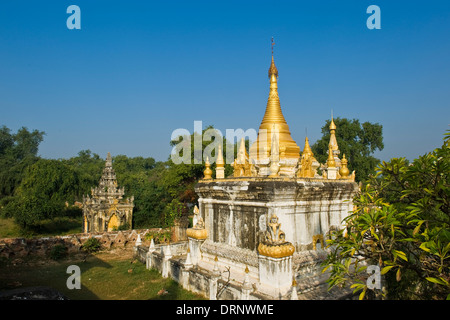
(58, 226)
(103, 277)
(9, 229)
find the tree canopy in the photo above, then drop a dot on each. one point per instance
(401, 223)
(44, 189)
(17, 152)
(358, 141)
(34, 189)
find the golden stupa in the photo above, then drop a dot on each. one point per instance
(333, 142)
(274, 119)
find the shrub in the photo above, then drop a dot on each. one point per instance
(58, 252)
(92, 245)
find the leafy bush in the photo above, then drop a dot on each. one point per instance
(402, 224)
(58, 252)
(92, 245)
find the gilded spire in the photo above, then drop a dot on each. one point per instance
(219, 160)
(307, 148)
(332, 125)
(207, 172)
(220, 164)
(308, 164)
(273, 71)
(274, 156)
(273, 115)
(273, 109)
(343, 171)
(333, 141)
(242, 155)
(108, 160)
(241, 165)
(330, 161)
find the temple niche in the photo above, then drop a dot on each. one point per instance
(260, 233)
(105, 209)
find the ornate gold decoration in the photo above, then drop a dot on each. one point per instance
(315, 238)
(275, 244)
(241, 165)
(274, 156)
(280, 251)
(330, 161)
(220, 164)
(199, 234)
(198, 231)
(308, 164)
(273, 115)
(333, 141)
(343, 171)
(208, 172)
(353, 176)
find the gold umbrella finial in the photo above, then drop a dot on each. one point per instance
(273, 43)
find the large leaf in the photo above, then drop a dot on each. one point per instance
(386, 269)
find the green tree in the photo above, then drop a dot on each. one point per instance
(402, 224)
(357, 141)
(46, 186)
(140, 177)
(88, 167)
(17, 152)
(180, 179)
(173, 211)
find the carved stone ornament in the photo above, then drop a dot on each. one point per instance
(275, 244)
(198, 231)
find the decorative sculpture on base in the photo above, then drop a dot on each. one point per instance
(198, 231)
(275, 244)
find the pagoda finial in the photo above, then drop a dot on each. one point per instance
(343, 171)
(332, 124)
(273, 43)
(108, 160)
(330, 161)
(273, 69)
(307, 148)
(220, 164)
(207, 172)
(333, 142)
(273, 115)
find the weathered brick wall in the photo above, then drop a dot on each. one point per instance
(12, 248)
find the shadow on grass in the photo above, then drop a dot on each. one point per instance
(49, 274)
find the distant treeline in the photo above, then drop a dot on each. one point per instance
(33, 189)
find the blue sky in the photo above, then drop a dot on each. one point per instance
(138, 70)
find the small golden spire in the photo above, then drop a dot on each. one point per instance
(273, 69)
(219, 160)
(343, 171)
(274, 156)
(332, 125)
(242, 155)
(220, 164)
(306, 162)
(246, 269)
(333, 141)
(208, 172)
(330, 161)
(307, 148)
